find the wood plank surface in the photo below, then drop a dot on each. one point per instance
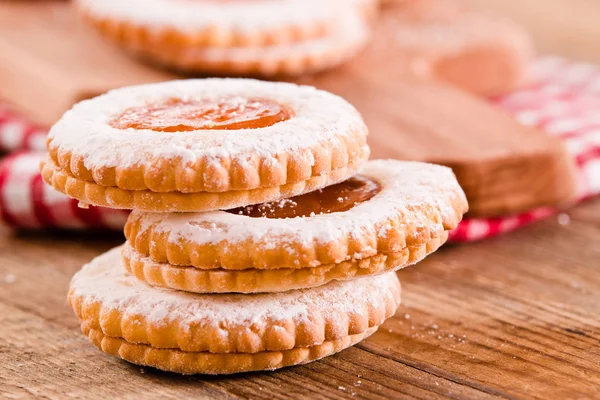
(516, 317)
(513, 317)
(49, 61)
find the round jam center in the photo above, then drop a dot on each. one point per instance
(184, 115)
(336, 198)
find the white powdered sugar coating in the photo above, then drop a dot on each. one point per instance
(245, 16)
(105, 280)
(318, 117)
(350, 34)
(405, 187)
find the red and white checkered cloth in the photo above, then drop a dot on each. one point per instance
(16, 133)
(564, 101)
(27, 202)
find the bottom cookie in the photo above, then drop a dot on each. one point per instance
(188, 363)
(224, 333)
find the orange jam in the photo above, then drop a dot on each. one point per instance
(184, 115)
(336, 198)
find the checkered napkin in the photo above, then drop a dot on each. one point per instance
(25, 200)
(564, 101)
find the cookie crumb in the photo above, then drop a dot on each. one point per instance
(10, 278)
(142, 371)
(564, 219)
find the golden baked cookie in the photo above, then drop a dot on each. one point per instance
(188, 363)
(253, 280)
(252, 37)
(224, 333)
(390, 215)
(481, 53)
(206, 144)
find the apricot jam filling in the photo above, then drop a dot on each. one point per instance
(336, 198)
(184, 115)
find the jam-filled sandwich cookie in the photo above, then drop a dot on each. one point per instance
(390, 215)
(224, 333)
(198, 145)
(256, 37)
(481, 53)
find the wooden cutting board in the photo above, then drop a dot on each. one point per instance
(48, 61)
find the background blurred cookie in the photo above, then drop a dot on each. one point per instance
(480, 53)
(256, 37)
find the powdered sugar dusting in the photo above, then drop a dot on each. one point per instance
(105, 280)
(351, 32)
(196, 16)
(319, 117)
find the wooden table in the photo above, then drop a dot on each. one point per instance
(513, 317)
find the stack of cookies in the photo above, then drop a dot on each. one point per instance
(299, 266)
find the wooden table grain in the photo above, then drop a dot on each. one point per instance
(513, 317)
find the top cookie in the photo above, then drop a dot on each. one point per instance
(197, 145)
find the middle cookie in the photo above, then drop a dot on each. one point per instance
(391, 215)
